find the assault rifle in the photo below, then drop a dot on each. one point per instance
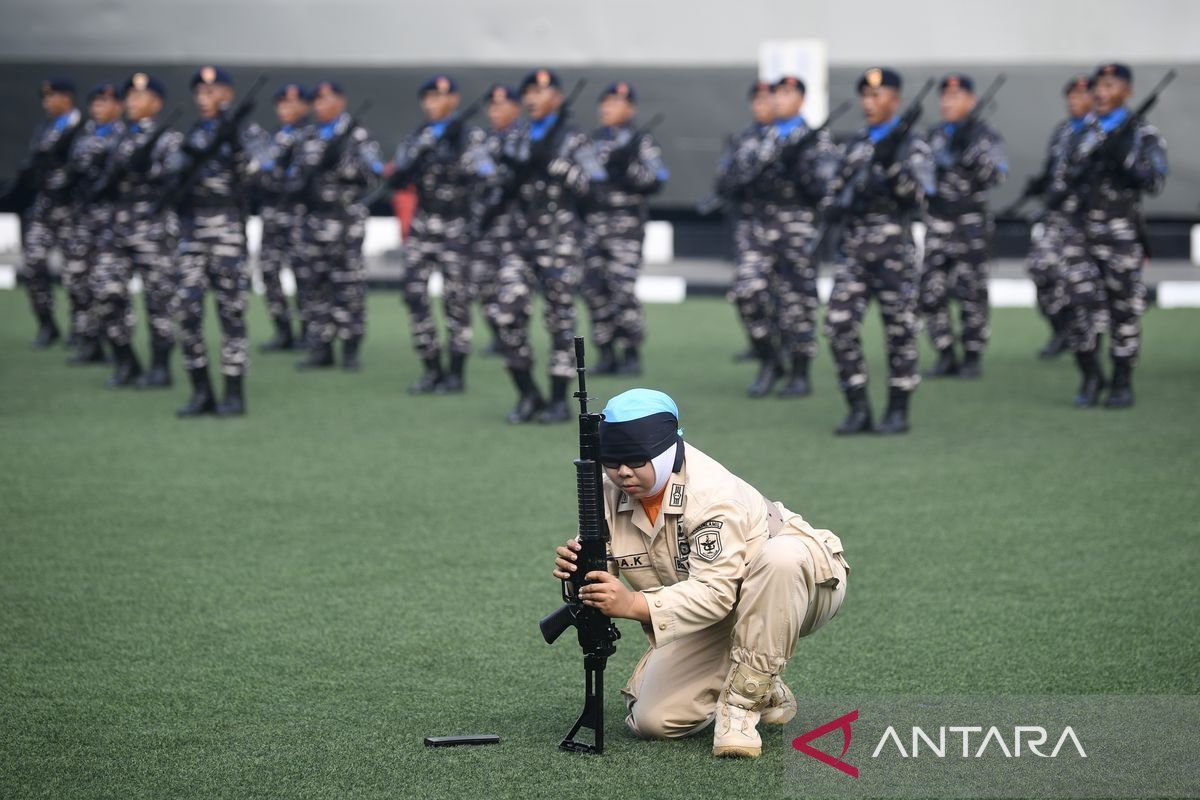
(790, 153)
(964, 127)
(886, 151)
(116, 172)
(597, 634)
(304, 183)
(620, 157)
(17, 194)
(228, 127)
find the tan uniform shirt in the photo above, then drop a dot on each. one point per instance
(691, 562)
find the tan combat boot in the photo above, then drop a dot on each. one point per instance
(781, 704)
(745, 694)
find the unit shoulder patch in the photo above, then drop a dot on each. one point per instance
(706, 540)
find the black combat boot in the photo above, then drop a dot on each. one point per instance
(946, 366)
(859, 418)
(430, 378)
(1058, 337)
(556, 411)
(320, 356)
(769, 370)
(234, 403)
(350, 359)
(127, 370)
(1093, 379)
(159, 376)
(607, 365)
(971, 368)
(1121, 393)
(632, 364)
(895, 419)
(202, 401)
(529, 399)
(282, 341)
(48, 332)
(453, 382)
(90, 352)
(797, 385)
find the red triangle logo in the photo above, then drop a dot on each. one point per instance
(842, 723)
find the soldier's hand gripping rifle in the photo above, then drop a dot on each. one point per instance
(304, 184)
(523, 170)
(886, 151)
(138, 161)
(620, 157)
(596, 633)
(789, 154)
(228, 127)
(1113, 149)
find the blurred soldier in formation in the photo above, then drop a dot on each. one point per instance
(1117, 158)
(88, 160)
(550, 168)
(969, 158)
(616, 223)
(443, 159)
(282, 217)
(737, 191)
(335, 163)
(504, 114)
(141, 238)
(776, 289)
(218, 158)
(1046, 254)
(49, 222)
(876, 253)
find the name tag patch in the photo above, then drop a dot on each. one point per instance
(635, 561)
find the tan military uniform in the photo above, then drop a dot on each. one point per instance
(728, 576)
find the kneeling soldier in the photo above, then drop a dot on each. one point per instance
(724, 581)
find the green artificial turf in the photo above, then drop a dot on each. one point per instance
(284, 605)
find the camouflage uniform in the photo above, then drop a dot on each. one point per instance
(1103, 249)
(733, 171)
(776, 287)
(489, 244)
(139, 241)
(958, 232)
(546, 251)
(50, 221)
(281, 224)
(1045, 256)
(616, 222)
(443, 173)
(330, 262)
(876, 258)
(212, 244)
(89, 157)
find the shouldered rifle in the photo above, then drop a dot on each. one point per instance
(597, 634)
(886, 151)
(958, 141)
(620, 157)
(715, 202)
(116, 172)
(20, 191)
(525, 169)
(330, 156)
(228, 127)
(1108, 149)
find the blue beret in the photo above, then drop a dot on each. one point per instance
(106, 89)
(56, 85)
(879, 76)
(540, 77)
(140, 80)
(957, 80)
(1115, 70)
(500, 93)
(333, 87)
(756, 87)
(438, 84)
(789, 80)
(294, 91)
(210, 75)
(1081, 82)
(620, 89)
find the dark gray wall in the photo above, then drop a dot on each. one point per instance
(702, 104)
